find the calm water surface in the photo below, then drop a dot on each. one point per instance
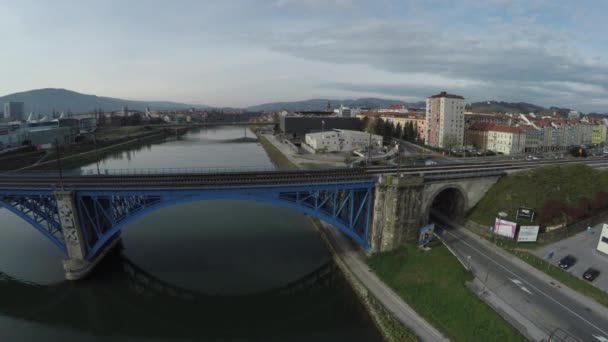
(201, 271)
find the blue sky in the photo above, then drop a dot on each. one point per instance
(245, 52)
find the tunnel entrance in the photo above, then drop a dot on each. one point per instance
(450, 203)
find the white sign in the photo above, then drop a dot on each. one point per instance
(505, 228)
(602, 245)
(528, 234)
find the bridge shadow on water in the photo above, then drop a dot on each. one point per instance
(122, 299)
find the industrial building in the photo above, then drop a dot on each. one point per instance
(298, 126)
(14, 111)
(339, 140)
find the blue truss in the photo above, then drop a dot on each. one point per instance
(104, 213)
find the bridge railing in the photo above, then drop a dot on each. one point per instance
(138, 171)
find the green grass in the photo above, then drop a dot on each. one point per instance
(531, 188)
(564, 277)
(434, 284)
(395, 331)
(276, 156)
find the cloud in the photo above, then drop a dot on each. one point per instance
(507, 56)
(313, 3)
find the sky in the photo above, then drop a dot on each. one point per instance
(244, 52)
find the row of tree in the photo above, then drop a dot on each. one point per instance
(387, 130)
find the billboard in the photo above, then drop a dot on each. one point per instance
(528, 234)
(525, 213)
(602, 245)
(505, 228)
(426, 234)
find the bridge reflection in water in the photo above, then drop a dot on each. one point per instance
(124, 300)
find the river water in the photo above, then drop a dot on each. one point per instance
(202, 271)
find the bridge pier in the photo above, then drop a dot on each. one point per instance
(78, 264)
(398, 211)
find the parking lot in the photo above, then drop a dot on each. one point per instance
(583, 247)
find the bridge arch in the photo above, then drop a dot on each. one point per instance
(449, 199)
(357, 203)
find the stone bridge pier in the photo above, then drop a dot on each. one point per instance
(78, 263)
(402, 205)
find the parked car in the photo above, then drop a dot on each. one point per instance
(590, 274)
(567, 262)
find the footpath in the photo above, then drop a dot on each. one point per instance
(351, 257)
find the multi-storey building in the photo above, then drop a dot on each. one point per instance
(415, 118)
(14, 111)
(445, 120)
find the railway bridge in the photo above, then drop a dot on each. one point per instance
(83, 213)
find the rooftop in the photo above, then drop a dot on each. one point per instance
(444, 94)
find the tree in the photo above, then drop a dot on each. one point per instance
(365, 124)
(398, 133)
(450, 141)
(387, 131)
(378, 126)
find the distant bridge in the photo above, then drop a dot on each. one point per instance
(379, 207)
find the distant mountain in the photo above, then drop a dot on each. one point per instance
(44, 101)
(514, 107)
(321, 104)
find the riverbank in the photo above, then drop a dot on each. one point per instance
(391, 327)
(76, 155)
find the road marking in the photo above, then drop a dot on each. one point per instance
(521, 286)
(532, 286)
(600, 338)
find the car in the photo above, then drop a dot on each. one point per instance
(590, 274)
(567, 262)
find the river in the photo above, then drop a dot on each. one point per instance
(203, 271)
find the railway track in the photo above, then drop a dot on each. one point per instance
(51, 179)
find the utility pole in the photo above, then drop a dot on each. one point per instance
(96, 152)
(369, 149)
(58, 153)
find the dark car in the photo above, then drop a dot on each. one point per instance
(590, 274)
(567, 262)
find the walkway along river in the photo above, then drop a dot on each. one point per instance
(216, 270)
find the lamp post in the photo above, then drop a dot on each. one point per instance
(322, 126)
(58, 155)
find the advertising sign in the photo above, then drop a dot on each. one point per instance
(526, 213)
(528, 234)
(602, 245)
(505, 228)
(426, 234)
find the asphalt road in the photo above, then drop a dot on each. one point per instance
(541, 302)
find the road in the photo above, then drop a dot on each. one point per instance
(542, 304)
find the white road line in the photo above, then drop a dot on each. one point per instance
(521, 286)
(532, 286)
(600, 338)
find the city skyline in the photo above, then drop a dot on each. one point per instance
(243, 53)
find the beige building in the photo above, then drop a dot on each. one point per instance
(445, 120)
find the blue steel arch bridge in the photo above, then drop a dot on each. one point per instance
(84, 214)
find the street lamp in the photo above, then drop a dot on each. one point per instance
(322, 126)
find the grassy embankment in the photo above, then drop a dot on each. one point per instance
(532, 188)
(569, 183)
(434, 284)
(276, 156)
(107, 142)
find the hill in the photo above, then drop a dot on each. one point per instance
(514, 107)
(321, 104)
(44, 101)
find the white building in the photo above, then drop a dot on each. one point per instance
(445, 120)
(507, 140)
(344, 112)
(339, 140)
